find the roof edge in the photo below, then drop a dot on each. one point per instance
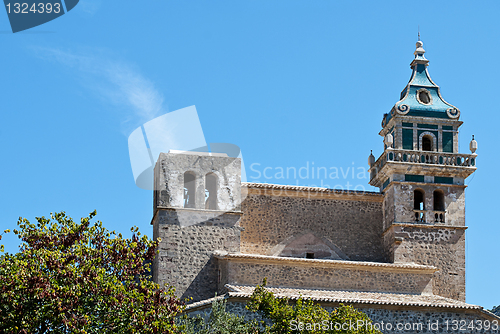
(244, 297)
(310, 192)
(359, 265)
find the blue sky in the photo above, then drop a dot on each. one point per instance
(292, 83)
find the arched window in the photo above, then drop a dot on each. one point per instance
(438, 200)
(418, 200)
(419, 205)
(211, 191)
(189, 190)
(427, 143)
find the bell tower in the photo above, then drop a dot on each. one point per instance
(422, 176)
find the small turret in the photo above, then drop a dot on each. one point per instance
(371, 159)
(388, 140)
(473, 145)
(371, 162)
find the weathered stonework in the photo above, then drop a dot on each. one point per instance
(390, 317)
(190, 235)
(440, 244)
(397, 254)
(324, 274)
(350, 222)
(443, 248)
(398, 203)
(185, 255)
(169, 179)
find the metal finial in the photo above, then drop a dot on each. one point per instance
(472, 137)
(419, 32)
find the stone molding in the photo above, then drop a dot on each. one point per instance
(310, 192)
(220, 212)
(340, 264)
(393, 122)
(429, 226)
(434, 142)
(428, 94)
(276, 250)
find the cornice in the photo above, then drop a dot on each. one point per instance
(340, 264)
(427, 226)
(165, 208)
(278, 190)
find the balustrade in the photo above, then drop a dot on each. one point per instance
(433, 216)
(419, 216)
(424, 157)
(437, 158)
(439, 216)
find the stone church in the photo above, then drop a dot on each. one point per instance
(397, 254)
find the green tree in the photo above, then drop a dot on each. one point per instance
(305, 316)
(71, 277)
(219, 321)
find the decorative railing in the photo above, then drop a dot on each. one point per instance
(424, 157)
(439, 216)
(432, 216)
(419, 216)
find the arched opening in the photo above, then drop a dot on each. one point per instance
(427, 143)
(419, 205)
(211, 191)
(418, 200)
(438, 200)
(189, 190)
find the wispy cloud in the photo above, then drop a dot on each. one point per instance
(113, 80)
(89, 7)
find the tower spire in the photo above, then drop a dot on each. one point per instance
(419, 53)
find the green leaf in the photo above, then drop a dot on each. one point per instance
(71, 277)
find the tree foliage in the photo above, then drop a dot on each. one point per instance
(496, 310)
(71, 277)
(218, 321)
(305, 316)
(280, 315)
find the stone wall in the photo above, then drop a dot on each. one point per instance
(439, 244)
(416, 319)
(442, 247)
(325, 274)
(431, 320)
(185, 258)
(399, 197)
(353, 224)
(169, 179)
